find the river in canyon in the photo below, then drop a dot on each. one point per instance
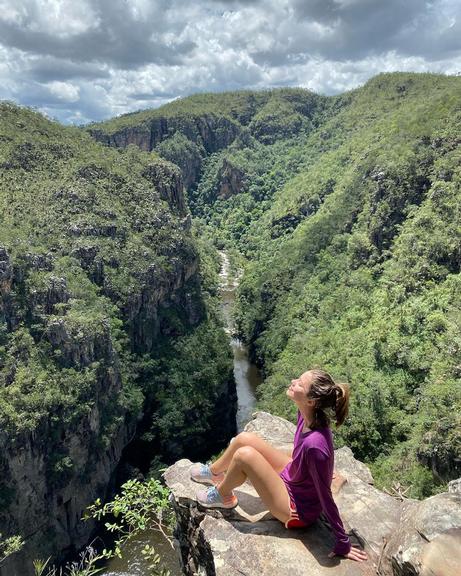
(247, 378)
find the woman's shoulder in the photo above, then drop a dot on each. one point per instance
(319, 438)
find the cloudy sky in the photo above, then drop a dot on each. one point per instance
(83, 60)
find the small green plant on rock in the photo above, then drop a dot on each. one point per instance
(138, 507)
(9, 546)
(85, 566)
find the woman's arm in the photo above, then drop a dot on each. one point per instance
(319, 468)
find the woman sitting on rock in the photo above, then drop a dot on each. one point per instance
(295, 489)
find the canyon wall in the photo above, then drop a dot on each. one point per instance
(100, 282)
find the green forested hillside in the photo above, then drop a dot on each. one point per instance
(344, 211)
(350, 227)
(103, 296)
(357, 270)
(286, 110)
(86, 231)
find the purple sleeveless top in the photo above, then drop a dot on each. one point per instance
(308, 480)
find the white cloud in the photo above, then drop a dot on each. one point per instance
(11, 13)
(140, 9)
(60, 18)
(63, 18)
(64, 91)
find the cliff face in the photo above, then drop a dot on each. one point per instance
(169, 184)
(187, 131)
(51, 474)
(212, 131)
(401, 538)
(231, 180)
(203, 135)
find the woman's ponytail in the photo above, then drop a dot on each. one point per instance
(342, 402)
(327, 394)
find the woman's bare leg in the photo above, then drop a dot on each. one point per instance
(276, 458)
(247, 462)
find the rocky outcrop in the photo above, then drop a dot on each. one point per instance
(141, 136)
(91, 261)
(199, 136)
(427, 540)
(211, 131)
(49, 476)
(231, 180)
(79, 346)
(55, 292)
(49, 516)
(145, 309)
(184, 153)
(408, 538)
(7, 308)
(5, 266)
(167, 180)
(191, 166)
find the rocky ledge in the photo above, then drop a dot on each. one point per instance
(402, 537)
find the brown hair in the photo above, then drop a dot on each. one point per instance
(328, 394)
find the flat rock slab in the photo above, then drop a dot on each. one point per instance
(370, 514)
(267, 548)
(273, 429)
(428, 538)
(184, 490)
(248, 539)
(407, 538)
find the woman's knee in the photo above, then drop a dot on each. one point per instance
(244, 439)
(245, 454)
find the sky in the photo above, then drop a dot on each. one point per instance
(86, 60)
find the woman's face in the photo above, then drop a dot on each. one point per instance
(299, 387)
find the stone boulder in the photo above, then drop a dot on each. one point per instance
(6, 270)
(401, 538)
(427, 541)
(249, 540)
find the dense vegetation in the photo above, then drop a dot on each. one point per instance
(355, 268)
(268, 114)
(348, 216)
(85, 229)
(108, 312)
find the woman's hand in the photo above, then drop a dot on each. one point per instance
(354, 554)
